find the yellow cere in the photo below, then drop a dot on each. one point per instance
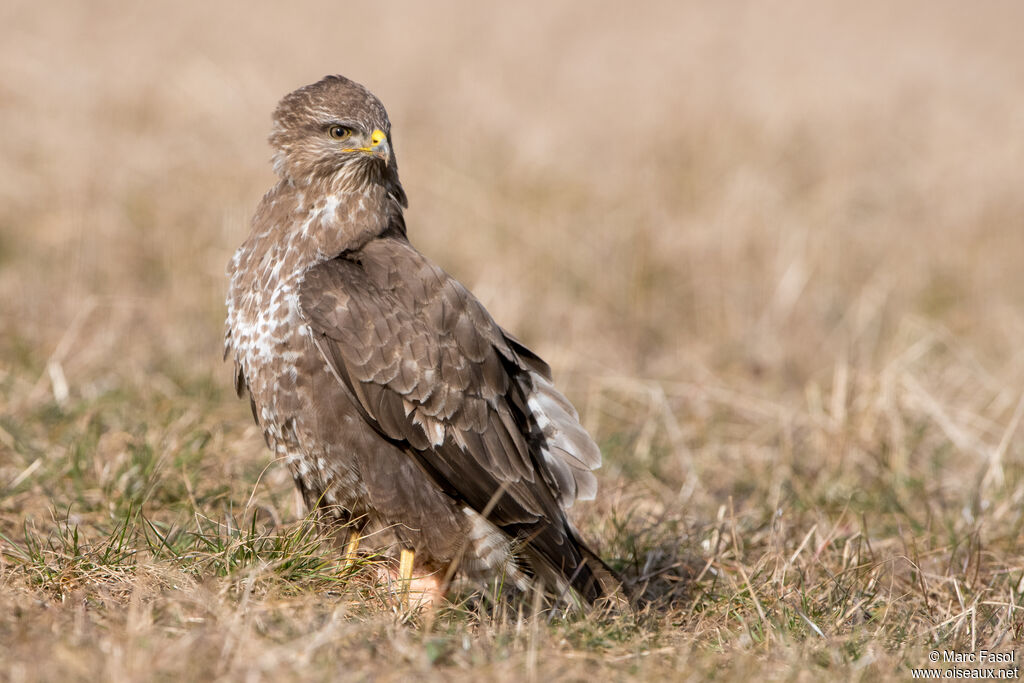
(378, 136)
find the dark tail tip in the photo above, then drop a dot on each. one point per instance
(594, 580)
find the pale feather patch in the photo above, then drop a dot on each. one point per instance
(490, 551)
(569, 453)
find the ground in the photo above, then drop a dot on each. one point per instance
(772, 254)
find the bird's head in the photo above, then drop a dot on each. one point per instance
(334, 129)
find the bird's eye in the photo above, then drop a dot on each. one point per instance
(339, 132)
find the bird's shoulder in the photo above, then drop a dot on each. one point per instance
(388, 283)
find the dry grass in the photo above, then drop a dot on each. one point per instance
(773, 254)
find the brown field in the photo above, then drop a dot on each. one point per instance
(773, 252)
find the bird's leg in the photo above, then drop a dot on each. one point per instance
(405, 572)
(351, 547)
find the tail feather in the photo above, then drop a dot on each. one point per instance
(591, 578)
(603, 581)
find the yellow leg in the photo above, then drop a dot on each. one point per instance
(405, 572)
(351, 548)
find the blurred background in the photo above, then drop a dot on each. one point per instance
(716, 220)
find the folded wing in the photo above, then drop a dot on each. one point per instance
(431, 371)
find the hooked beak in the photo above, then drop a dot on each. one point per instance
(379, 146)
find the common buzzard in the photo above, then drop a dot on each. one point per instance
(400, 406)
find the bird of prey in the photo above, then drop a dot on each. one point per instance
(402, 409)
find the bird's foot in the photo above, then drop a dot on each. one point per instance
(415, 591)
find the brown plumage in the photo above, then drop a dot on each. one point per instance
(396, 400)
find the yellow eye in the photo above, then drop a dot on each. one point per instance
(339, 132)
